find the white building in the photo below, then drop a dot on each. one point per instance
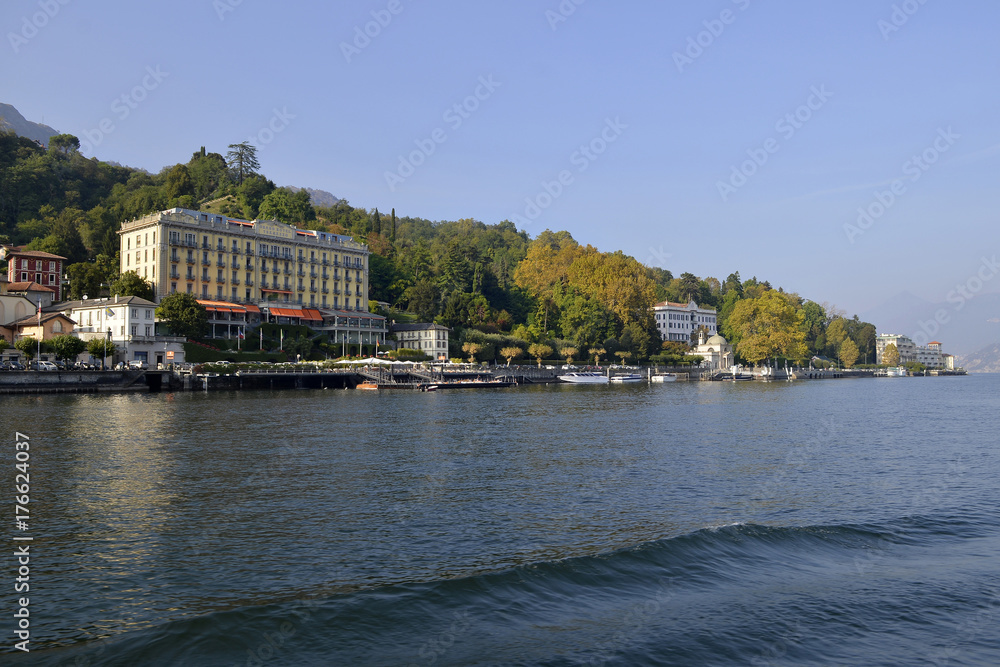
(678, 321)
(431, 339)
(930, 356)
(132, 323)
(716, 350)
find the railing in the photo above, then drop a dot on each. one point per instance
(220, 280)
(205, 279)
(235, 281)
(190, 260)
(221, 263)
(206, 262)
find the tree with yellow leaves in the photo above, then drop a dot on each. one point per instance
(767, 327)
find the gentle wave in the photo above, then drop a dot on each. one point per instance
(582, 610)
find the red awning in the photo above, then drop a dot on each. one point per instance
(252, 309)
(286, 312)
(312, 314)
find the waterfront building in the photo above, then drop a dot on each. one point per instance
(679, 321)
(34, 271)
(130, 322)
(14, 307)
(431, 339)
(716, 350)
(29, 326)
(229, 320)
(216, 257)
(931, 355)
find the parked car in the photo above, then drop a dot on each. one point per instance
(15, 365)
(43, 366)
(136, 364)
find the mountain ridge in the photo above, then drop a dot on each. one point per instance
(11, 119)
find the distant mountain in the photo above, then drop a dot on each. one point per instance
(972, 326)
(317, 197)
(11, 119)
(986, 360)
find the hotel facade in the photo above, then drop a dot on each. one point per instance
(216, 257)
(249, 272)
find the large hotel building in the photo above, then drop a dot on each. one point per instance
(289, 272)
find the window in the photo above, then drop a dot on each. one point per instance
(135, 313)
(135, 330)
(190, 239)
(173, 288)
(149, 314)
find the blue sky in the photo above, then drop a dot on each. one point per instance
(661, 131)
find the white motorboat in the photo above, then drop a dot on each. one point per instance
(632, 377)
(584, 378)
(897, 372)
(663, 377)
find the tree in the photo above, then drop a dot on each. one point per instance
(539, 351)
(178, 183)
(242, 159)
(569, 352)
(85, 279)
(183, 315)
(596, 352)
(890, 357)
(130, 284)
(767, 327)
(66, 346)
(3, 345)
(849, 353)
(27, 346)
(101, 348)
(472, 349)
(623, 355)
(64, 144)
(510, 353)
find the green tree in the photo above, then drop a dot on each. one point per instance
(510, 353)
(27, 346)
(597, 353)
(890, 356)
(242, 159)
(849, 353)
(131, 284)
(767, 327)
(85, 279)
(66, 346)
(101, 348)
(539, 351)
(183, 315)
(3, 344)
(422, 299)
(178, 183)
(569, 352)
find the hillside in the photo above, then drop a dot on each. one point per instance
(986, 360)
(12, 120)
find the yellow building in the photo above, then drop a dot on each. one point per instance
(214, 256)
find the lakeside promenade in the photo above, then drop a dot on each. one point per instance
(417, 377)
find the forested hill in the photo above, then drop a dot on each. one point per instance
(492, 283)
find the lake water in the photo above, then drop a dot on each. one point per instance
(840, 522)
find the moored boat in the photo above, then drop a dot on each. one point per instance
(367, 386)
(632, 377)
(663, 377)
(584, 377)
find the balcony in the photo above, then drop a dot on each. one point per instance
(347, 292)
(325, 291)
(312, 260)
(220, 280)
(276, 270)
(336, 290)
(249, 283)
(206, 279)
(236, 281)
(302, 274)
(175, 276)
(348, 278)
(205, 246)
(325, 263)
(221, 263)
(190, 243)
(249, 253)
(190, 260)
(206, 262)
(175, 240)
(312, 288)
(288, 272)
(325, 276)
